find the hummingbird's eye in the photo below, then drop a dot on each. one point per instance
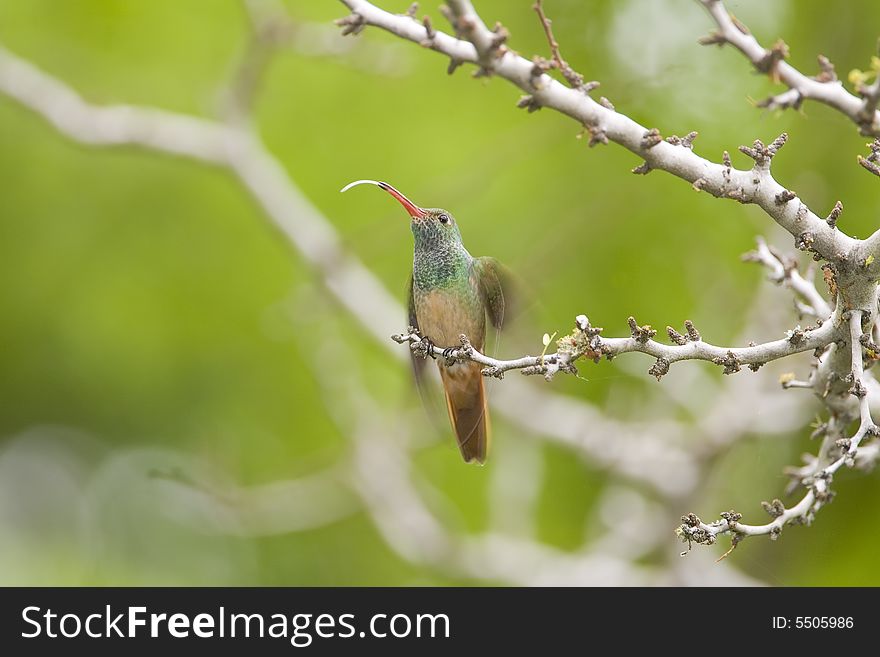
(444, 218)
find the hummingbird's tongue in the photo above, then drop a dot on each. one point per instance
(414, 210)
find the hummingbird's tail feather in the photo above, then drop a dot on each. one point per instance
(468, 411)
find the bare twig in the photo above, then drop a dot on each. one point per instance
(585, 342)
(784, 271)
(824, 87)
(574, 79)
(816, 480)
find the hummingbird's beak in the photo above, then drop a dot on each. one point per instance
(414, 210)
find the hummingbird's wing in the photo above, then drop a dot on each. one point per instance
(496, 288)
(418, 363)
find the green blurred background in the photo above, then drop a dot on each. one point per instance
(149, 310)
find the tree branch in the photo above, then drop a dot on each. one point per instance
(272, 24)
(784, 271)
(584, 342)
(817, 480)
(755, 185)
(574, 79)
(824, 87)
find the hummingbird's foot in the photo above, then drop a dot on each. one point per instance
(427, 347)
(448, 355)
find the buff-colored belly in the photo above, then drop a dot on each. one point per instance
(443, 315)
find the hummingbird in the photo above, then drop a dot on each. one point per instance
(452, 293)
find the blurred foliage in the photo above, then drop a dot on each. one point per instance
(146, 304)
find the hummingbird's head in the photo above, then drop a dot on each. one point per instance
(435, 228)
(432, 228)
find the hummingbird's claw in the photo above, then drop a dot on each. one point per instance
(448, 355)
(428, 346)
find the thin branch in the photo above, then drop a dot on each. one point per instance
(755, 185)
(272, 24)
(279, 507)
(273, 30)
(870, 93)
(212, 142)
(468, 24)
(574, 79)
(116, 125)
(824, 87)
(784, 271)
(584, 342)
(869, 252)
(769, 415)
(816, 480)
(872, 162)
